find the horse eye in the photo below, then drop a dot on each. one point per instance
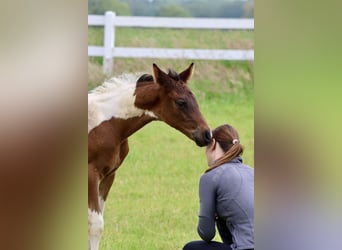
(181, 104)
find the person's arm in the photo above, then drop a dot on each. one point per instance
(224, 232)
(206, 223)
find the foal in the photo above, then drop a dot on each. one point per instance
(120, 107)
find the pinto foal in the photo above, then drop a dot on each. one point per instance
(120, 107)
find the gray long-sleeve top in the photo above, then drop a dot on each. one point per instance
(228, 191)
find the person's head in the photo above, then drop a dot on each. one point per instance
(225, 146)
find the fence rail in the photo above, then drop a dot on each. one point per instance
(109, 21)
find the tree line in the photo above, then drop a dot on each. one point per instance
(175, 8)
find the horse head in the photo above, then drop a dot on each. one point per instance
(171, 101)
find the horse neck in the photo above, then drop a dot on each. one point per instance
(118, 100)
(126, 128)
(146, 95)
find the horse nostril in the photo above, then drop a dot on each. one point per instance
(207, 136)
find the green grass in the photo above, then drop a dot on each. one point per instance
(154, 203)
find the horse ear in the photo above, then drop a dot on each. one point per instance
(158, 75)
(186, 74)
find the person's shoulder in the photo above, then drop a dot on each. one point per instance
(207, 179)
(207, 175)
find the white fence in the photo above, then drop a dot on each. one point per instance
(109, 51)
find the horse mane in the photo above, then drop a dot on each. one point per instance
(122, 81)
(109, 94)
(115, 98)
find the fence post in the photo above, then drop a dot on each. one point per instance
(109, 36)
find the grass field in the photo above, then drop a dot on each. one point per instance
(153, 203)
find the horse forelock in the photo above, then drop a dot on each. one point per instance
(145, 78)
(173, 74)
(114, 98)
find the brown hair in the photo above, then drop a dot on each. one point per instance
(228, 139)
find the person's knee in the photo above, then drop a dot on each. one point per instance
(187, 247)
(194, 245)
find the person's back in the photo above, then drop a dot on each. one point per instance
(233, 184)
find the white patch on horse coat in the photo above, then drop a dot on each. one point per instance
(114, 98)
(95, 229)
(102, 203)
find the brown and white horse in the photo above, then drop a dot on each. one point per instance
(120, 107)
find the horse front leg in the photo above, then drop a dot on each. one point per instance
(107, 182)
(105, 186)
(95, 215)
(97, 195)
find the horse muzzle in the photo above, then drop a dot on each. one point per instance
(202, 137)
